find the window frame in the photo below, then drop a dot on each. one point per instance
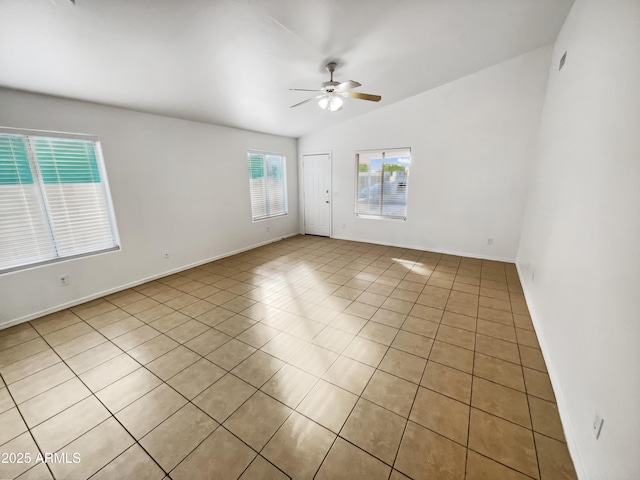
(264, 155)
(383, 153)
(38, 180)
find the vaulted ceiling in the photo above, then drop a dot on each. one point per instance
(231, 62)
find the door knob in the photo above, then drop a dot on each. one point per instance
(326, 201)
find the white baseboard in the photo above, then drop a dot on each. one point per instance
(135, 283)
(428, 249)
(562, 406)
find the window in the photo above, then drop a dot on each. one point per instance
(54, 199)
(267, 185)
(383, 182)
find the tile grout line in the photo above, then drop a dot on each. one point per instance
(161, 333)
(354, 405)
(473, 364)
(189, 401)
(526, 394)
(497, 416)
(176, 347)
(369, 381)
(359, 397)
(288, 362)
(28, 430)
(282, 331)
(503, 464)
(112, 415)
(395, 459)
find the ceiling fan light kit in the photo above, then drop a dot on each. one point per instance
(331, 103)
(331, 91)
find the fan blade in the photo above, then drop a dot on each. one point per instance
(308, 100)
(364, 96)
(348, 85)
(305, 90)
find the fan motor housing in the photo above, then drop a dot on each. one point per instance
(329, 86)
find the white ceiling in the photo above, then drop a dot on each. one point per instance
(231, 62)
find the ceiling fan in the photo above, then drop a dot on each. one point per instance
(330, 98)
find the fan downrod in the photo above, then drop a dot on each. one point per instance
(331, 67)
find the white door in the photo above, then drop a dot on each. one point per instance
(317, 194)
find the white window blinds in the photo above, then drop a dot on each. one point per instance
(382, 183)
(54, 199)
(267, 185)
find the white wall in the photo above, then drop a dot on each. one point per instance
(470, 140)
(177, 186)
(581, 235)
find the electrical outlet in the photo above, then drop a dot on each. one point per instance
(344, 225)
(489, 241)
(597, 426)
(64, 280)
(166, 255)
(268, 229)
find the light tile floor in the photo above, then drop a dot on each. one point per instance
(309, 357)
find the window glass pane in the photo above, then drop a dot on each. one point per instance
(369, 183)
(53, 200)
(14, 161)
(267, 185)
(382, 183)
(276, 191)
(66, 160)
(79, 217)
(256, 166)
(25, 236)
